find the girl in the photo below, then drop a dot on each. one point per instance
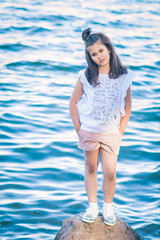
(100, 107)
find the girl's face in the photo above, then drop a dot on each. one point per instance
(100, 54)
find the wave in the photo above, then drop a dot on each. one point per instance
(43, 65)
(15, 47)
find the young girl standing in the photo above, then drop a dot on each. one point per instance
(100, 107)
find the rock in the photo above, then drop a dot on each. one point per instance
(74, 229)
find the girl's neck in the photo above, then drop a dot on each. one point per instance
(103, 70)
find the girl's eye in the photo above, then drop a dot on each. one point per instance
(101, 50)
(93, 55)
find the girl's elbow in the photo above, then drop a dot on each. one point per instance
(128, 110)
(72, 103)
(129, 114)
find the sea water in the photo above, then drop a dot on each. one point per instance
(42, 169)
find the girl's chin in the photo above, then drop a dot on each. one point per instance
(103, 65)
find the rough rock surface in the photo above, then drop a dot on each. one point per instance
(74, 229)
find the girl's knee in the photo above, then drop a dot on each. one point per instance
(111, 175)
(91, 168)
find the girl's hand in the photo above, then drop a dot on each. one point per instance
(121, 132)
(78, 129)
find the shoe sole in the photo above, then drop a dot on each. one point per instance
(89, 221)
(109, 223)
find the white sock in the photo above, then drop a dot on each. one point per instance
(107, 204)
(94, 205)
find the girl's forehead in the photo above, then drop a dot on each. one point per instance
(97, 45)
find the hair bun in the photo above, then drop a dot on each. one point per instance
(86, 33)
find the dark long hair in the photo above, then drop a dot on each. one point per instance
(116, 67)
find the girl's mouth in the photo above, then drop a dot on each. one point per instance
(101, 61)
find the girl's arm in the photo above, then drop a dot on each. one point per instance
(75, 97)
(124, 119)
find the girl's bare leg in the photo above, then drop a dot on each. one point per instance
(91, 164)
(109, 162)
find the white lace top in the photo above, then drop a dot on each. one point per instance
(100, 109)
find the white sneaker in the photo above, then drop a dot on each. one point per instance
(90, 215)
(108, 215)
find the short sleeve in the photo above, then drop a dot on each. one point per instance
(126, 83)
(81, 75)
(86, 86)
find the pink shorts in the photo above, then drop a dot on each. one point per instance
(91, 141)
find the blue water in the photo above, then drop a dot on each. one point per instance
(42, 169)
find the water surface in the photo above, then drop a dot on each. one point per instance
(42, 169)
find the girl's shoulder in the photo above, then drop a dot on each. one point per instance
(129, 73)
(82, 76)
(127, 77)
(81, 73)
